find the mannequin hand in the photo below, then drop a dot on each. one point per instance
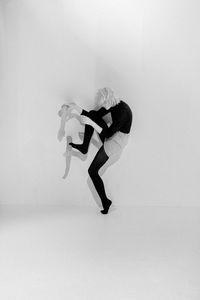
(72, 105)
(64, 110)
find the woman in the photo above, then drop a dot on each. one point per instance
(113, 137)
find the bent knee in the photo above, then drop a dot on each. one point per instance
(92, 112)
(92, 172)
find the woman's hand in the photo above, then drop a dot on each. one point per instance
(85, 120)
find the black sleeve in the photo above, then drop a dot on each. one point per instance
(101, 112)
(117, 123)
(85, 113)
(97, 113)
(95, 117)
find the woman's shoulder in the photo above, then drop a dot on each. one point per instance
(125, 104)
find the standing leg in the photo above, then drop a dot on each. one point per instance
(99, 160)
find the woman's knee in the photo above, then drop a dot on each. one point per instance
(92, 114)
(92, 171)
(99, 120)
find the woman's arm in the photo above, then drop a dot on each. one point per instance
(85, 118)
(117, 122)
(88, 121)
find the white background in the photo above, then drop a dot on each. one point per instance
(54, 51)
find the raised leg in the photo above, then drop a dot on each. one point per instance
(83, 148)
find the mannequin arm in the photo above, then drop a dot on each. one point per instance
(64, 114)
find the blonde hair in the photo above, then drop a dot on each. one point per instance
(106, 94)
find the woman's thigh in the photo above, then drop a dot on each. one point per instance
(99, 120)
(99, 160)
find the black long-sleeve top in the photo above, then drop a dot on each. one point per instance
(121, 118)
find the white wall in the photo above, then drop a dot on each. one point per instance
(147, 51)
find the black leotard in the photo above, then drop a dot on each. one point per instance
(121, 118)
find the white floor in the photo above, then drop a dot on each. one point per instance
(57, 253)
